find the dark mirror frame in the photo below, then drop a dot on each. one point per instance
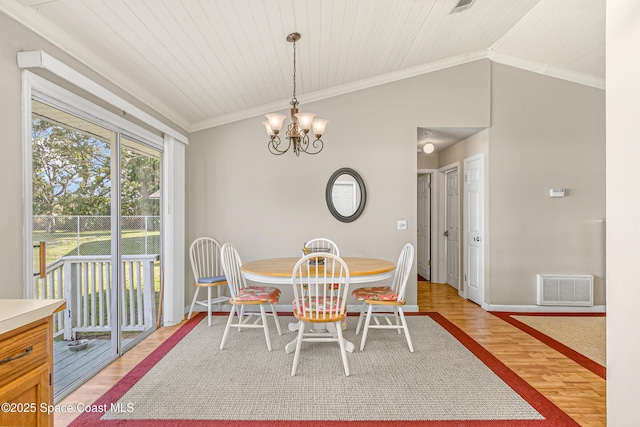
(329, 191)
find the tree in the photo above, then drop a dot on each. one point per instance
(72, 175)
(140, 177)
(71, 172)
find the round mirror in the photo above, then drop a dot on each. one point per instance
(346, 195)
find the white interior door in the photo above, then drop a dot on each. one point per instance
(473, 228)
(424, 226)
(452, 227)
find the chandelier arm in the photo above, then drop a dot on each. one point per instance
(273, 145)
(311, 148)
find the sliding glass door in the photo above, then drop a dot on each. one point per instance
(139, 220)
(95, 195)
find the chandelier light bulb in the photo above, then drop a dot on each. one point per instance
(270, 131)
(305, 120)
(275, 121)
(318, 127)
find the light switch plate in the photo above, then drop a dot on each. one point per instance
(402, 224)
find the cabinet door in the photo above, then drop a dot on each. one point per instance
(22, 399)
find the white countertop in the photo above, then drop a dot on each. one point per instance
(15, 313)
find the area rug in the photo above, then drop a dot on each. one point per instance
(579, 336)
(450, 380)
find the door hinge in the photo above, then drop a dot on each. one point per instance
(429, 263)
(465, 277)
(50, 379)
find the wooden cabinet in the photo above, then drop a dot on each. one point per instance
(26, 374)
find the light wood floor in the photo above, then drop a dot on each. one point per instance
(574, 389)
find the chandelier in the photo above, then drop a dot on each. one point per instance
(301, 123)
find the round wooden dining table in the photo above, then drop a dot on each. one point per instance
(278, 271)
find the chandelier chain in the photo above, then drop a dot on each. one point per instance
(294, 100)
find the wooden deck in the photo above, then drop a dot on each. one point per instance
(69, 366)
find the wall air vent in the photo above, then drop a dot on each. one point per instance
(462, 5)
(567, 290)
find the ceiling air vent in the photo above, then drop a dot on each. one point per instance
(462, 5)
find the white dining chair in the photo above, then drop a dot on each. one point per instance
(320, 297)
(204, 254)
(243, 295)
(322, 243)
(391, 297)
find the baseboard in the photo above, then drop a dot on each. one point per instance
(287, 308)
(544, 308)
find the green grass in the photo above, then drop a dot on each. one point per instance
(60, 244)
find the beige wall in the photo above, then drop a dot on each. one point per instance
(475, 144)
(540, 126)
(545, 133)
(10, 162)
(623, 207)
(270, 205)
(427, 161)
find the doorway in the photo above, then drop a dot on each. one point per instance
(423, 252)
(438, 225)
(452, 227)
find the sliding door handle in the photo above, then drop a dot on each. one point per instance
(42, 260)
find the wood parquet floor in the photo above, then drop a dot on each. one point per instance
(574, 389)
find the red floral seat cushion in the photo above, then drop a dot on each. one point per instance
(317, 304)
(258, 293)
(382, 293)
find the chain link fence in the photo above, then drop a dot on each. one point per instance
(91, 235)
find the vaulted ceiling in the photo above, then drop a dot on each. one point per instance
(202, 63)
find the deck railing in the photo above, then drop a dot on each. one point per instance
(85, 282)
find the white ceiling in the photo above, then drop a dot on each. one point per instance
(202, 63)
(442, 138)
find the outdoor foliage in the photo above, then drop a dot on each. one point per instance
(72, 175)
(71, 172)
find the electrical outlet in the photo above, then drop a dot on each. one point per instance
(402, 224)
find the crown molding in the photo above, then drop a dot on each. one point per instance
(548, 70)
(535, 67)
(341, 90)
(32, 20)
